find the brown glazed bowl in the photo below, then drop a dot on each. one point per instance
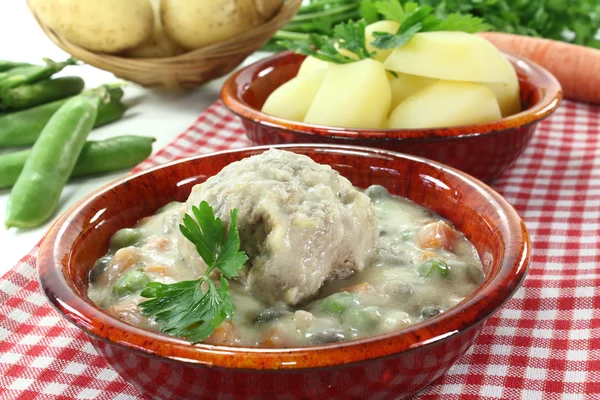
(387, 366)
(484, 150)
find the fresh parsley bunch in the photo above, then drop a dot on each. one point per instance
(350, 36)
(193, 309)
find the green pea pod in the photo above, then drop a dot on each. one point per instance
(22, 128)
(31, 73)
(96, 156)
(5, 65)
(35, 195)
(26, 96)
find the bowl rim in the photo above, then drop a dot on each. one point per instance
(99, 324)
(549, 101)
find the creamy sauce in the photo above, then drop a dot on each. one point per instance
(421, 268)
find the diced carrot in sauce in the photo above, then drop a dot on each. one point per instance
(223, 334)
(157, 269)
(274, 338)
(158, 243)
(358, 288)
(125, 258)
(437, 235)
(428, 254)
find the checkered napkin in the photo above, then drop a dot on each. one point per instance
(543, 344)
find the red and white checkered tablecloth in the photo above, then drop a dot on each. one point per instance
(543, 344)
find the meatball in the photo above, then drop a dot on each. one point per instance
(300, 223)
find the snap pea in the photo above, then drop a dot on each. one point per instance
(31, 73)
(35, 195)
(95, 157)
(22, 128)
(5, 65)
(33, 94)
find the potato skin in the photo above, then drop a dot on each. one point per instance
(194, 24)
(159, 45)
(104, 26)
(267, 8)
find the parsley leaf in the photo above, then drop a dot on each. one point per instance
(193, 309)
(348, 36)
(414, 18)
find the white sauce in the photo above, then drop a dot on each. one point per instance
(395, 289)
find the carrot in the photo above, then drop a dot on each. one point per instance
(157, 269)
(576, 67)
(271, 339)
(359, 288)
(223, 334)
(428, 254)
(436, 235)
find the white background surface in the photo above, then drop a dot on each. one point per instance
(161, 115)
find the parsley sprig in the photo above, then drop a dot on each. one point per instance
(350, 36)
(193, 309)
(414, 18)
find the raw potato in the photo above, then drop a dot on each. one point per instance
(354, 95)
(107, 26)
(198, 23)
(405, 85)
(293, 99)
(508, 94)
(312, 64)
(444, 104)
(456, 56)
(379, 26)
(267, 8)
(159, 45)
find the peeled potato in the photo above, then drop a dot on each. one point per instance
(198, 23)
(293, 99)
(159, 45)
(508, 94)
(444, 104)
(405, 85)
(107, 26)
(354, 95)
(312, 64)
(379, 26)
(456, 56)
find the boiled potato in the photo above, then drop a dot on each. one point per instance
(198, 23)
(456, 56)
(354, 95)
(293, 99)
(107, 26)
(312, 64)
(405, 85)
(379, 26)
(446, 103)
(508, 94)
(159, 44)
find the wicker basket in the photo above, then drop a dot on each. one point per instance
(185, 71)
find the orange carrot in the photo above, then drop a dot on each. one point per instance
(577, 68)
(157, 269)
(436, 235)
(223, 334)
(358, 288)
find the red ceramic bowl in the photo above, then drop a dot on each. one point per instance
(386, 366)
(484, 150)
